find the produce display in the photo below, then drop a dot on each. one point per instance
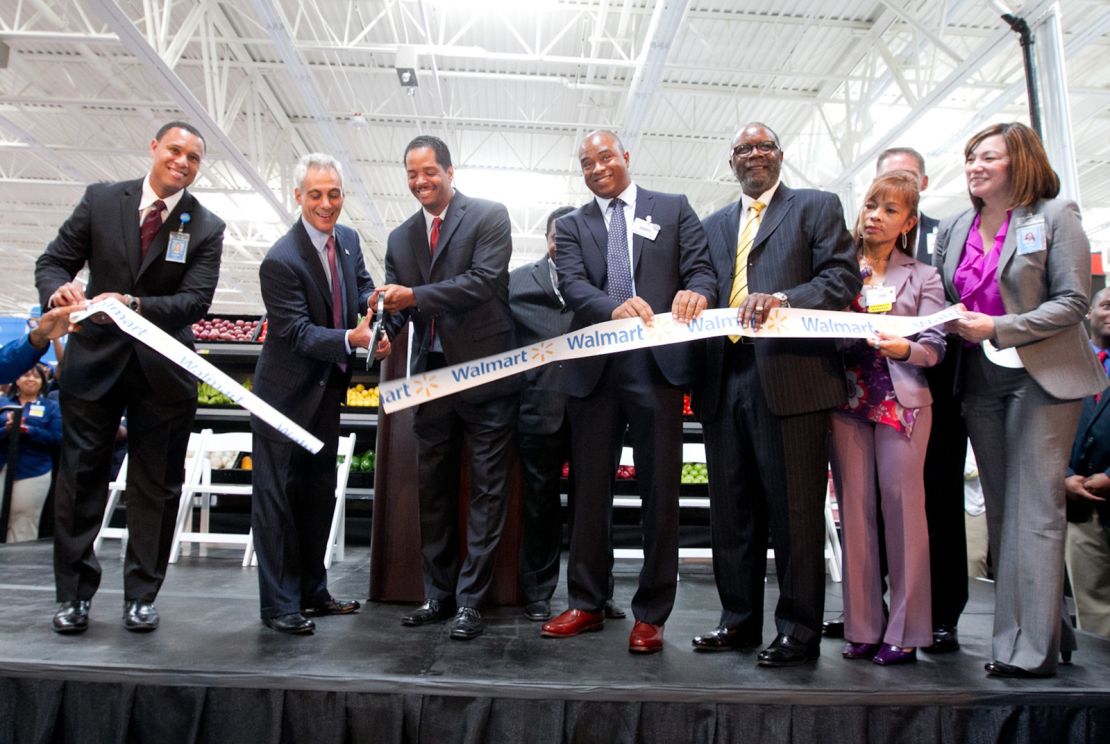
(361, 396)
(694, 472)
(624, 472)
(210, 396)
(363, 463)
(686, 410)
(220, 329)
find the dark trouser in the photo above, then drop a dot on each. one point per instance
(158, 436)
(442, 427)
(292, 504)
(541, 462)
(766, 470)
(632, 393)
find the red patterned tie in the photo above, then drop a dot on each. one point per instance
(336, 293)
(433, 241)
(152, 223)
(1102, 355)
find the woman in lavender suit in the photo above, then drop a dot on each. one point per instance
(880, 435)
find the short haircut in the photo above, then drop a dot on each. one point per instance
(561, 211)
(180, 125)
(750, 124)
(901, 151)
(609, 133)
(319, 161)
(902, 186)
(439, 147)
(1031, 175)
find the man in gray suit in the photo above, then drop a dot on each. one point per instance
(765, 405)
(447, 269)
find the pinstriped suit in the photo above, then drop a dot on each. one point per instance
(765, 410)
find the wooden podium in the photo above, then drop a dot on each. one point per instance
(396, 574)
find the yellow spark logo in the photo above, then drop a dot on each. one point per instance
(774, 325)
(542, 351)
(425, 385)
(661, 330)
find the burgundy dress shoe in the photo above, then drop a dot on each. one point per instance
(854, 650)
(645, 638)
(72, 617)
(331, 606)
(890, 655)
(573, 622)
(727, 639)
(613, 612)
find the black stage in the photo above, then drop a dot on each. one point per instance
(212, 673)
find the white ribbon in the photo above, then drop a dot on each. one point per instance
(624, 335)
(146, 332)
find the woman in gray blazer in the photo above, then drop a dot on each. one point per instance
(1018, 262)
(880, 435)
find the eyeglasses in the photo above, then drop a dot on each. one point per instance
(745, 150)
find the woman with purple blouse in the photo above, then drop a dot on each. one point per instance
(880, 435)
(1018, 262)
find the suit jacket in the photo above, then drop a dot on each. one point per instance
(302, 346)
(103, 234)
(539, 314)
(1090, 454)
(677, 259)
(802, 248)
(16, 357)
(464, 287)
(919, 292)
(1045, 294)
(926, 226)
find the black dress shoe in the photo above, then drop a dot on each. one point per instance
(331, 606)
(998, 669)
(727, 639)
(139, 616)
(538, 611)
(833, 628)
(788, 651)
(467, 624)
(72, 617)
(613, 612)
(432, 611)
(294, 624)
(945, 640)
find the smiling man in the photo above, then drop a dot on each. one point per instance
(314, 285)
(627, 253)
(765, 405)
(149, 244)
(447, 270)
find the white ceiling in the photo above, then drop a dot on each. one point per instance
(512, 86)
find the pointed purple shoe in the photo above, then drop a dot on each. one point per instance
(854, 650)
(890, 655)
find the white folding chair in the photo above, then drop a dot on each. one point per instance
(337, 538)
(201, 494)
(119, 485)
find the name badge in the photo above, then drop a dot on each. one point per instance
(1030, 236)
(178, 247)
(36, 410)
(645, 228)
(879, 299)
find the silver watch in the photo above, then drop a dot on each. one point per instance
(782, 298)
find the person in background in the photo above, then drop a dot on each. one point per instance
(1018, 264)
(16, 357)
(1088, 492)
(39, 435)
(975, 519)
(879, 436)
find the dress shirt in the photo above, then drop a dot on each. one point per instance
(746, 205)
(628, 196)
(436, 346)
(320, 243)
(554, 275)
(146, 201)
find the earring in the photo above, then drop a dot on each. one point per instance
(904, 241)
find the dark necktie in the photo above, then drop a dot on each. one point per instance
(433, 241)
(152, 223)
(336, 293)
(618, 268)
(1102, 355)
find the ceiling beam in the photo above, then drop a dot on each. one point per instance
(661, 33)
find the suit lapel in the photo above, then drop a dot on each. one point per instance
(418, 239)
(595, 221)
(898, 272)
(129, 218)
(312, 260)
(725, 258)
(541, 274)
(645, 202)
(344, 243)
(455, 213)
(1009, 244)
(161, 238)
(776, 210)
(954, 251)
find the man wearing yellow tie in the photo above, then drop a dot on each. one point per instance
(765, 405)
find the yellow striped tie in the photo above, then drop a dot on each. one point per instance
(743, 248)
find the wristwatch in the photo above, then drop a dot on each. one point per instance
(782, 298)
(132, 302)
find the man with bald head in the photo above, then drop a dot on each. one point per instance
(627, 253)
(765, 405)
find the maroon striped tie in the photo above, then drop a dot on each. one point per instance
(336, 294)
(152, 223)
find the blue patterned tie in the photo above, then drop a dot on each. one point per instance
(619, 270)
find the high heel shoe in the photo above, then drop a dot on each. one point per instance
(854, 650)
(890, 655)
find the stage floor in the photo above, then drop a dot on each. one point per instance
(211, 637)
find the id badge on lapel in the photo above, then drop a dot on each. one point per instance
(1030, 236)
(177, 250)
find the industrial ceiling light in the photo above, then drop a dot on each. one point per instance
(406, 68)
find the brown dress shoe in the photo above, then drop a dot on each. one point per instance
(573, 622)
(645, 638)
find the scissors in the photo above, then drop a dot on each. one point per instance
(377, 331)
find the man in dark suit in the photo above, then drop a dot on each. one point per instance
(1088, 491)
(947, 449)
(149, 244)
(765, 405)
(314, 284)
(627, 253)
(543, 431)
(447, 270)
